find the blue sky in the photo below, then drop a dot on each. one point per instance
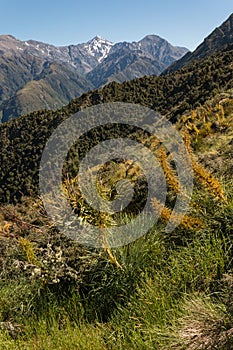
(183, 23)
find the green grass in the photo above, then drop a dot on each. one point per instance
(147, 305)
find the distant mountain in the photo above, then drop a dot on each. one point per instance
(219, 39)
(161, 50)
(36, 75)
(126, 61)
(124, 64)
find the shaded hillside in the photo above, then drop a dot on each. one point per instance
(16, 72)
(22, 140)
(54, 87)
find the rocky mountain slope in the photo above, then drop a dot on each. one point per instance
(83, 57)
(217, 40)
(126, 61)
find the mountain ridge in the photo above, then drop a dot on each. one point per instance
(217, 40)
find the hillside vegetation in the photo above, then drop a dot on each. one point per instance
(164, 291)
(23, 139)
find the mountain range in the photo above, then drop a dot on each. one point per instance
(38, 76)
(35, 75)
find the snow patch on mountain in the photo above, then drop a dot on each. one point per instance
(98, 47)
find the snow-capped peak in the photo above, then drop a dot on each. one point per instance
(98, 47)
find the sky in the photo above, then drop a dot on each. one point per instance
(182, 23)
